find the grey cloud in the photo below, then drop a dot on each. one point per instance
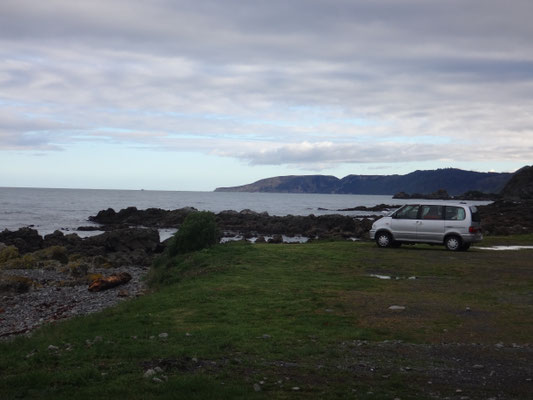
(308, 155)
(227, 77)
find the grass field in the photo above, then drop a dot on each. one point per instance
(298, 321)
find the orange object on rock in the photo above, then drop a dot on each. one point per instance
(109, 282)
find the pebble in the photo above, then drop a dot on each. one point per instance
(53, 348)
(257, 387)
(163, 335)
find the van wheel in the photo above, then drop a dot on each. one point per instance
(453, 243)
(384, 239)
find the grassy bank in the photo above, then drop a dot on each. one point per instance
(306, 320)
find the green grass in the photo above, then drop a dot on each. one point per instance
(237, 314)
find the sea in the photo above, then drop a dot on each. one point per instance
(48, 210)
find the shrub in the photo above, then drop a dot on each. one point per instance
(58, 253)
(77, 269)
(8, 253)
(15, 284)
(28, 261)
(198, 231)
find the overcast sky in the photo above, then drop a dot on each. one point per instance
(191, 95)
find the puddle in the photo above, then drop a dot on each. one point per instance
(380, 276)
(166, 233)
(500, 248)
(391, 277)
(286, 239)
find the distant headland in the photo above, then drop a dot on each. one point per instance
(454, 181)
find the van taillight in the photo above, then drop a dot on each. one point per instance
(473, 229)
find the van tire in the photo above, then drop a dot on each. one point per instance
(453, 243)
(384, 239)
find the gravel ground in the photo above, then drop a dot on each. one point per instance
(57, 296)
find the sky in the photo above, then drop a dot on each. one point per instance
(193, 95)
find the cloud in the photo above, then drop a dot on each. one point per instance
(322, 155)
(308, 82)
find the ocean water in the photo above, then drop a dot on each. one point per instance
(47, 210)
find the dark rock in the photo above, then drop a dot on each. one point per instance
(477, 195)
(57, 238)
(125, 240)
(151, 217)
(440, 194)
(26, 240)
(379, 207)
(245, 223)
(260, 239)
(507, 217)
(89, 228)
(104, 216)
(520, 186)
(401, 195)
(276, 239)
(131, 246)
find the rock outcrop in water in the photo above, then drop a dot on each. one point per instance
(245, 222)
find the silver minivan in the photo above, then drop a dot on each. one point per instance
(456, 225)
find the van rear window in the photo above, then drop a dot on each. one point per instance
(475, 214)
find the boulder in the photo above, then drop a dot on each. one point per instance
(401, 195)
(151, 217)
(125, 240)
(104, 216)
(26, 240)
(276, 239)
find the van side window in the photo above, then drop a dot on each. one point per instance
(431, 212)
(407, 212)
(455, 213)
